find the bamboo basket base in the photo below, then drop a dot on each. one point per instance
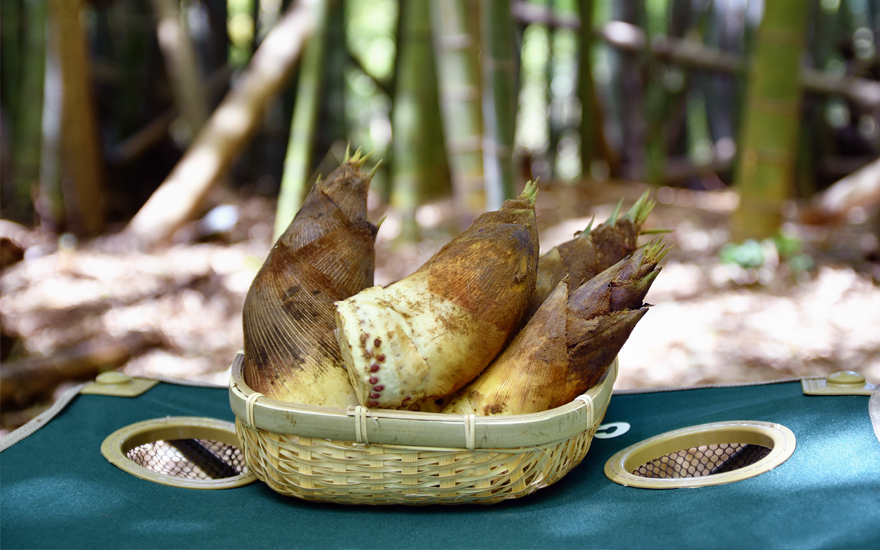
(347, 472)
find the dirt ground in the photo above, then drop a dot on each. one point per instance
(711, 322)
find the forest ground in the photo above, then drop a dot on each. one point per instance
(711, 322)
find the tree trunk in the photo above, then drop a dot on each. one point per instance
(458, 70)
(80, 147)
(182, 68)
(499, 100)
(227, 130)
(300, 144)
(765, 169)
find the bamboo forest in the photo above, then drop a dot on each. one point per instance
(153, 151)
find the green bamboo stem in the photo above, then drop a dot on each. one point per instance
(415, 87)
(294, 180)
(11, 52)
(499, 100)
(28, 116)
(333, 129)
(458, 70)
(765, 170)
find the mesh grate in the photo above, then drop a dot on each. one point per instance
(190, 458)
(701, 461)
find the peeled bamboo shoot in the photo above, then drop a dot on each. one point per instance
(415, 343)
(325, 255)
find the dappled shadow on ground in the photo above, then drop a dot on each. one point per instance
(711, 322)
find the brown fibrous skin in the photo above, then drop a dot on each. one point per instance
(567, 346)
(582, 258)
(326, 254)
(496, 291)
(590, 252)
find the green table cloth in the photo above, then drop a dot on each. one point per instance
(57, 490)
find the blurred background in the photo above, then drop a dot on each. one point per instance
(153, 149)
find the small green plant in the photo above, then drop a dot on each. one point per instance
(791, 251)
(749, 254)
(782, 250)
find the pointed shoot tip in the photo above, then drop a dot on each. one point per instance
(530, 192)
(375, 168)
(612, 220)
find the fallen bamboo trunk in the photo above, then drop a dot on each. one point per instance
(227, 130)
(861, 189)
(24, 379)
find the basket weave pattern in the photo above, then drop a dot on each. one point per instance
(354, 473)
(363, 456)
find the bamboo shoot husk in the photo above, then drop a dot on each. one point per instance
(326, 254)
(568, 345)
(591, 252)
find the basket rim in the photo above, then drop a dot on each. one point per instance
(419, 429)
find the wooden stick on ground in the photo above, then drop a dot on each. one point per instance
(23, 379)
(859, 189)
(227, 130)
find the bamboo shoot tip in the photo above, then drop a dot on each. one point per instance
(530, 192)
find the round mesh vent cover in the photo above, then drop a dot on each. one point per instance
(709, 454)
(191, 452)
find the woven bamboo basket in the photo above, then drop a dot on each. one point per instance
(378, 456)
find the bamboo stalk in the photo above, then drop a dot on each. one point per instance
(297, 161)
(28, 116)
(411, 132)
(154, 131)
(590, 120)
(765, 170)
(80, 147)
(458, 69)
(499, 100)
(183, 71)
(690, 53)
(333, 130)
(227, 130)
(51, 213)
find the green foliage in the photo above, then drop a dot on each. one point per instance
(791, 250)
(781, 250)
(747, 255)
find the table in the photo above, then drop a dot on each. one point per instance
(58, 491)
